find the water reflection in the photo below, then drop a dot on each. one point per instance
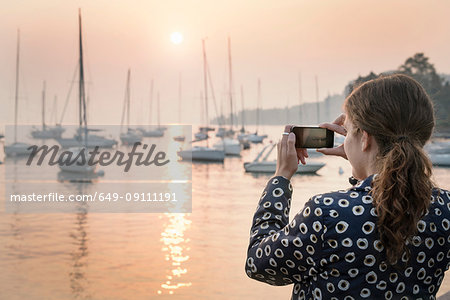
(79, 283)
(16, 221)
(175, 244)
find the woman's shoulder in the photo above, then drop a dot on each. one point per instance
(440, 202)
(440, 195)
(355, 195)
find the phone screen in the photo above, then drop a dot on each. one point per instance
(313, 137)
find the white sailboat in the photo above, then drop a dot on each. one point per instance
(265, 166)
(131, 136)
(84, 136)
(157, 132)
(255, 137)
(202, 133)
(17, 148)
(47, 132)
(179, 138)
(92, 141)
(79, 166)
(228, 144)
(201, 153)
(243, 134)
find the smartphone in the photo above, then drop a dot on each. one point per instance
(313, 137)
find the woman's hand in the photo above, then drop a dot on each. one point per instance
(288, 156)
(337, 127)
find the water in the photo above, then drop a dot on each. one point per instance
(198, 255)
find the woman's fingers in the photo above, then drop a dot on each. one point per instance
(284, 138)
(282, 145)
(286, 165)
(305, 152)
(334, 127)
(340, 120)
(301, 155)
(291, 144)
(338, 151)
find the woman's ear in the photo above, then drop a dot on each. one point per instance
(365, 141)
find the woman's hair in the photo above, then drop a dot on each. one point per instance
(398, 113)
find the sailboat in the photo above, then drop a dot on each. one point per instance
(83, 136)
(243, 134)
(131, 136)
(159, 131)
(255, 137)
(47, 132)
(179, 138)
(17, 148)
(228, 144)
(201, 153)
(80, 166)
(202, 133)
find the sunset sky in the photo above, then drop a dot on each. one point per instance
(270, 40)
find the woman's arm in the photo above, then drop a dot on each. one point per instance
(280, 252)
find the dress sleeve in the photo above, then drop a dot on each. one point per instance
(281, 253)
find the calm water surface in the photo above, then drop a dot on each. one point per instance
(198, 255)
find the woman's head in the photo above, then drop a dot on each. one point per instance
(392, 108)
(394, 116)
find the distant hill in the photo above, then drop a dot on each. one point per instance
(305, 114)
(331, 106)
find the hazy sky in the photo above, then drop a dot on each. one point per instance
(271, 40)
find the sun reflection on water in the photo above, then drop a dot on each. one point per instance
(174, 244)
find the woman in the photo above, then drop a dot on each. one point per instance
(386, 237)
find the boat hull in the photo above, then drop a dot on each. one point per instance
(270, 167)
(17, 149)
(230, 147)
(48, 133)
(91, 142)
(130, 139)
(254, 138)
(202, 154)
(152, 133)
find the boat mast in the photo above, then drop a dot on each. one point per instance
(179, 98)
(128, 98)
(81, 90)
(205, 70)
(43, 107)
(243, 111)
(258, 104)
(151, 103)
(157, 103)
(55, 109)
(230, 83)
(16, 97)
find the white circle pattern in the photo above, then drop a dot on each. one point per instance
(338, 231)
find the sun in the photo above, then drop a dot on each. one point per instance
(176, 38)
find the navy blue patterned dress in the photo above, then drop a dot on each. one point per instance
(331, 250)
